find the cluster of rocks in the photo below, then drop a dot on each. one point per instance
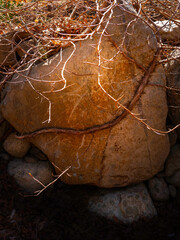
(125, 205)
(27, 164)
(127, 155)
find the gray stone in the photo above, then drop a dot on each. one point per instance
(174, 179)
(169, 30)
(20, 170)
(126, 205)
(16, 147)
(158, 189)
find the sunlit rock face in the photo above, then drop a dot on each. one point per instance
(118, 156)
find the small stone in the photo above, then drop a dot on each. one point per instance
(126, 205)
(174, 179)
(172, 191)
(158, 188)
(23, 172)
(16, 147)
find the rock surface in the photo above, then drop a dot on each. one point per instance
(35, 152)
(124, 154)
(12, 45)
(125, 205)
(168, 30)
(158, 189)
(173, 161)
(172, 191)
(16, 147)
(174, 179)
(173, 81)
(3, 127)
(41, 170)
(172, 136)
(7, 55)
(172, 169)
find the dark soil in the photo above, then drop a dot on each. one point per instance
(61, 213)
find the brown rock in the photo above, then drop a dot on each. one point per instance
(158, 189)
(124, 154)
(35, 152)
(20, 170)
(12, 44)
(16, 147)
(7, 54)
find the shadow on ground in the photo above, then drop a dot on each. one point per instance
(61, 213)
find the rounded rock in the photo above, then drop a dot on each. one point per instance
(126, 205)
(26, 173)
(158, 189)
(16, 147)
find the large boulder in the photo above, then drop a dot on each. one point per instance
(116, 156)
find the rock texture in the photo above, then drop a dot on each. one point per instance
(172, 191)
(158, 189)
(173, 161)
(124, 154)
(3, 127)
(7, 55)
(126, 205)
(9, 50)
(16, 147)
(20, 170)
(168, 30)
(172, 169)
(173, 81)
(172, 136)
